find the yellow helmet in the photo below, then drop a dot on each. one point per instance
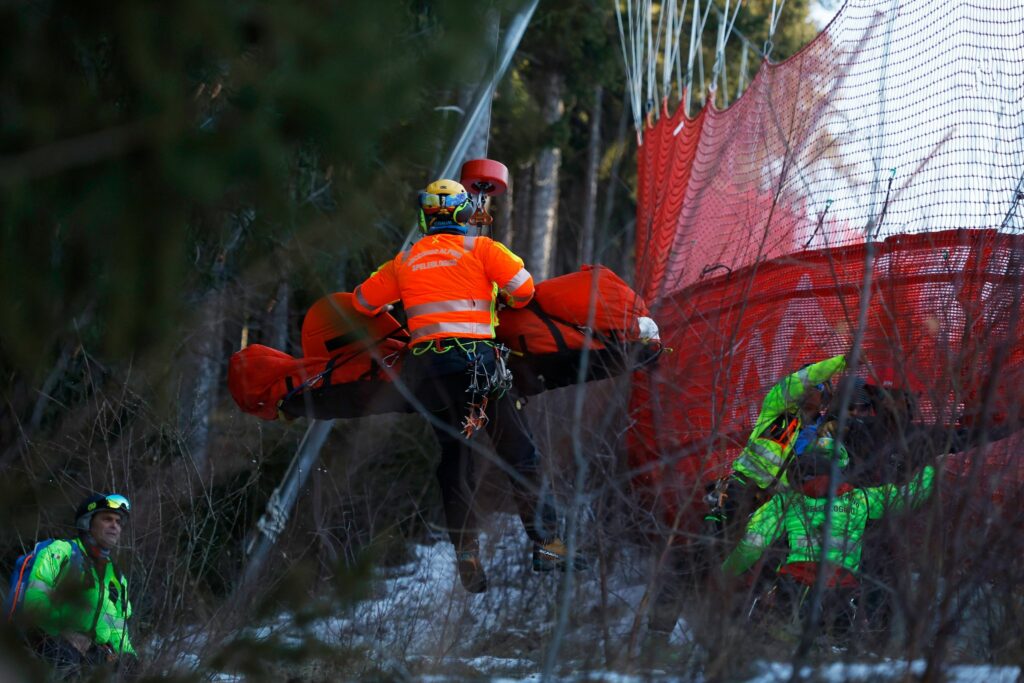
(444, 204)
(445, 187)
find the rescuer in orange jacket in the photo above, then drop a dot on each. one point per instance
(448, 283)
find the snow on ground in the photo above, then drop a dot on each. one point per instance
(774, 672)
(419, 624)
(420, 618)
(419, 612)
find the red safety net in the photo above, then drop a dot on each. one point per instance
(887, 153)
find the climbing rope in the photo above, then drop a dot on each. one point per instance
(773, 23)
(696, 31)
(674, 20)
(645, 39)
(632, 39)
(725, 28)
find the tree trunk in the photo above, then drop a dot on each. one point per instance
(199, 393)
(205, 353)
(544, 214)
(629, 253)
(519, 240)
(628, 250)
(277, 315)
(503, 229)
(586, 253)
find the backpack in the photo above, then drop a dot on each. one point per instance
(23, 570)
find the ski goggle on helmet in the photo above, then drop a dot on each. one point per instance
(444, 201)
(98, 503)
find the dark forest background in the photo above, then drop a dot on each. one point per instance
(180, 179)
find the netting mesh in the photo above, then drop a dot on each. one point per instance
(893, 142)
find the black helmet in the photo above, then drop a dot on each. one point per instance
(816, 460)
(98, 502)
(859, 395)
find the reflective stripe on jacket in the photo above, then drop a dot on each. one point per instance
(60, 598)
(778, 424)
(448, 284)
(802, 519)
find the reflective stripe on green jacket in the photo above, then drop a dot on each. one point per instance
(60, 598)
(802, 519)
(765, 454)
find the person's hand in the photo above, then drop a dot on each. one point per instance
(100, 654)
(862, 357)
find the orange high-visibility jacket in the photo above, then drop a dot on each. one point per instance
(448, 285)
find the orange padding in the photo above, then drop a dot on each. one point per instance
(565, 302)
(259, 377)
(332, 325)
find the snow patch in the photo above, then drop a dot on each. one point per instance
(894, 670)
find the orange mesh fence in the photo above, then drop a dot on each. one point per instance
(895, 139)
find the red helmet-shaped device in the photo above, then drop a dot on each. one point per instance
(483, 178)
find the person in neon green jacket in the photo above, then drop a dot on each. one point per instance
(76, 608)
(783, 412)
(794, 403)
(799, 515)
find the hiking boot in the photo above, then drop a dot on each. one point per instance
(555, 555)
(471, 570)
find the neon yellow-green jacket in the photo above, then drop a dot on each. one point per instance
(779, 423)
(65, 594)
(802, 519)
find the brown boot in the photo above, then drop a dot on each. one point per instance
(555, 555)
(471, 570)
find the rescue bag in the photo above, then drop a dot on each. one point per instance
(23, 570)
(259, 377)
(616, 306)
(558, 317)
(341, 369)
(547, 336)
(349, 358)
(332, 325)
